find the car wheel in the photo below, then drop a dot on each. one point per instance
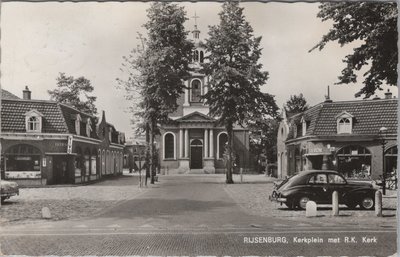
(302, 202)
(367, 203)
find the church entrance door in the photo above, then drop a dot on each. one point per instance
(196, 154)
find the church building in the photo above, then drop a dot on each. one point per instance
(193, 142)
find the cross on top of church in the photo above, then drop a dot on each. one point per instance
(195, 17)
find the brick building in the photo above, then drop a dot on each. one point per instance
(46, 143)
(346, 136)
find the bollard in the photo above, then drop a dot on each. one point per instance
(311, 209)
(241, 175)
(378, 203)
(335, 203)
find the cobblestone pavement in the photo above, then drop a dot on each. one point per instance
(192, 215)
(68, 202)
(254, 200)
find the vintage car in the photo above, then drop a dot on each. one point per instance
(8, 189)
(318, 186)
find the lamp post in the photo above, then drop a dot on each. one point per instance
(382, 133)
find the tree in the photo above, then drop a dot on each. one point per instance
(375, 24)
(263, 139)
(296, 104)
(234, 94)
(75, 92)
(160, 68)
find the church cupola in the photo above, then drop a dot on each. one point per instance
(196, 31)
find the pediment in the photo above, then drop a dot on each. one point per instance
(344, 114)
(34, 112)
(196, 116)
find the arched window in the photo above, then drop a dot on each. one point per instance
(354, 161)
(33, 121)
(222, 143)
(33, 124)
(196, 90)
(196, 56)
(344, 126)
(169, 145)
(201, 56)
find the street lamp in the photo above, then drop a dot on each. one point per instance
(382, 133)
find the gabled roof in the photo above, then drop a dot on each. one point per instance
(7, 95)
(195, 116)
(368, 117)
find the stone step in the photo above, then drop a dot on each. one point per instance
(196, 171)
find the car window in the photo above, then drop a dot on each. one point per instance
(335, 179)
(318, 179)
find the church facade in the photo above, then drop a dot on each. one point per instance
(193, 142)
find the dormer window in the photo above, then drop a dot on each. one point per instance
(304, 127)
(88, 127)
(344, 123)
(33, 120)
(78, 120)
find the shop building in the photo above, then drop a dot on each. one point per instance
(47, 143)
(194, 142)
(352, 137)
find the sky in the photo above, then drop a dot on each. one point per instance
(40, 40)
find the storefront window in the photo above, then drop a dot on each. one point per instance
(78, 162)
(93, 170)
(354, 162)
(87, 164)
(22, 162)
(391, 162)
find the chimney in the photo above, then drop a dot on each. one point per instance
(388, 94)
(328, 97)
(376, 97)
(26, 94)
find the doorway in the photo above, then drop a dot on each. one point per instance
(196, 154)
(60, 170)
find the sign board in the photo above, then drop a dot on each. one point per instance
(44, 162)
(69, 146)
(315, 150)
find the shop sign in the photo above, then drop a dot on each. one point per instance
(44, 162)
(354, 152)
(315, 150)
(23, 158)
(69, 147)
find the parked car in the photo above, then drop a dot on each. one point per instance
(318, 186)
(8, 189)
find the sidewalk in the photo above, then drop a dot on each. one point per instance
(69, 202)
(253, 197)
